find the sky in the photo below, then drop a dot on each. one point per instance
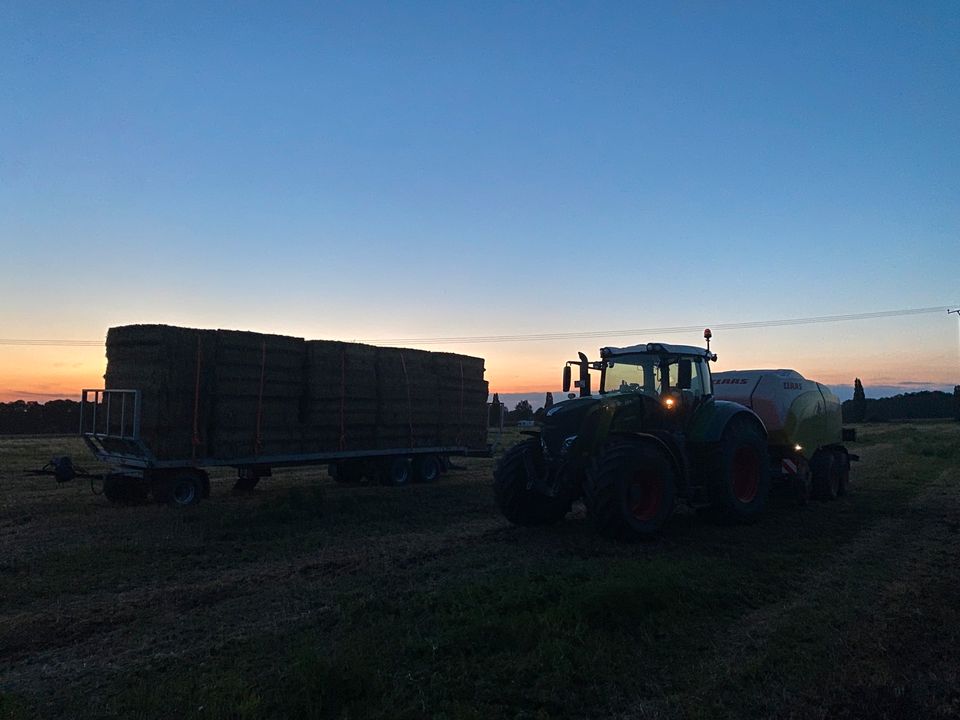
(378, 171)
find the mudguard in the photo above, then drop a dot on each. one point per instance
(711, 418)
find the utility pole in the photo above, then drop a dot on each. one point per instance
(956, 388)
(957, 313)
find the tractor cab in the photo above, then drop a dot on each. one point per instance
(677, 376)
(677, 372)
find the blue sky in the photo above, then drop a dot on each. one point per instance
(368, 171)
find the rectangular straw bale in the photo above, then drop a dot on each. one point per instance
(162, 362)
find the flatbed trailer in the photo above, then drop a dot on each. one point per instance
(110, 423)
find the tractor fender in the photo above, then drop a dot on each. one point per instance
(712, 418)
(668, 447)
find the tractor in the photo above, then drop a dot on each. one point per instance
(655, 434)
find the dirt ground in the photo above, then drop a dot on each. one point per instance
(307, 598)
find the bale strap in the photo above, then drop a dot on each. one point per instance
(343, 396)
(406, 379)
(196, 403)
(460, 426)
(258, 441)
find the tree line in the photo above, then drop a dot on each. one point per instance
(522, 411)
(906, 406)
(22, 417)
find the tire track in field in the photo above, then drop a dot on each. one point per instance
(84, 636)
(923, 541)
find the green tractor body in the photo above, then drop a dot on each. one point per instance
(655, 434)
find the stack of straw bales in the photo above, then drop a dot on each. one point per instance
(227, 394)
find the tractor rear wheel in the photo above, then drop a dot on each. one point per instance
(632, 492)
(738, 471)
(517, 500)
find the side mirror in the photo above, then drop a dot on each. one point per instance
(566, 378)
(685, 374)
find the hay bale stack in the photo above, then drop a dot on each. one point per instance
(342, 403)
(307, 397)
(162, 362)
(259, 382)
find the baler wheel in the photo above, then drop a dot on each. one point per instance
(738, 471)
(519, 503)
(803, 483)
(632, 492)
(826, 475)
(844, 469)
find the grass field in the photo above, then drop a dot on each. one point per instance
(307, 599)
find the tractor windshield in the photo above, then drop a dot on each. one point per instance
(654, 374)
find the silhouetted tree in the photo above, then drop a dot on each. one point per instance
(523, 411)
(496, 410)
(858, 406)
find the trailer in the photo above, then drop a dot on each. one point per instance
(179, 401)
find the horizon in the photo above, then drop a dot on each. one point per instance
(371, 172)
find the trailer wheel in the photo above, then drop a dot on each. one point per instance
(349, 472)
(245, 484)
(179, 488)
(826, 475)
(632, 492)
(396, 471)
(426, 468)
(519, 503)
(113, 488)
(124, 489)
(738, 471)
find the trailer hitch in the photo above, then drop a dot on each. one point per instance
(63, 470)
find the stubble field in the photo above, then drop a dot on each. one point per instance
(309, 599)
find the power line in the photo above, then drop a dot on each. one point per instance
(668, 330)
(533, 337)
(52, 343)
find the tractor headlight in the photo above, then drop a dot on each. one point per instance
(670, 403)
(566, 445)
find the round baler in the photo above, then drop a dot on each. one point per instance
(804, 426)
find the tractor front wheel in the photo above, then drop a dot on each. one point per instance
(632, 492)
(520, 503)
